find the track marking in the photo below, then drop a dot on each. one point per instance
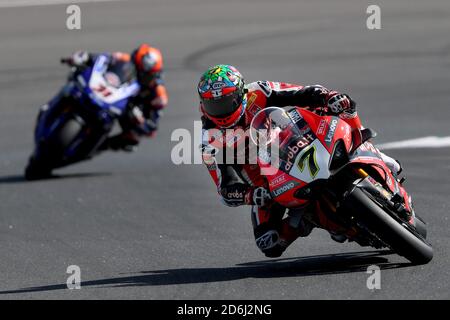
(29, 3)
(425, 142)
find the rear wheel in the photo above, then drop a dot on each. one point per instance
(400, 237)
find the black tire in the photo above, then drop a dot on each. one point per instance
(395, 235)
(36, 170)
(41, 168)
(420, 226)
(67, 133)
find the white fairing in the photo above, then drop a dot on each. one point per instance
(321, 157)
(103, 90)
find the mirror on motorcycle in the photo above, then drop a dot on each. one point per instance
(359, 136)
(368, 134)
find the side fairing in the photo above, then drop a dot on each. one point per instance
(311, 163)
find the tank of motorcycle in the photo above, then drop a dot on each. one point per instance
(295, 148)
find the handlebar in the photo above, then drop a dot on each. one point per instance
(66, 61)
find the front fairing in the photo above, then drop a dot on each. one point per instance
(295, 159)
(305, 152)
(96, 88)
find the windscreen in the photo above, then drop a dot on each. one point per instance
(119, 72)
(280, 134)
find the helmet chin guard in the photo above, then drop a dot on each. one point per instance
(232, 119)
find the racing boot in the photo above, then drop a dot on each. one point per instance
(292, 227)
(273, 242)
(125, 141)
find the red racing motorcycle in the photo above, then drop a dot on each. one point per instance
(321, 162)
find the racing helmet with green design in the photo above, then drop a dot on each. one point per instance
(222, 95)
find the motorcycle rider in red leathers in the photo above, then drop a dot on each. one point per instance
(227, 103)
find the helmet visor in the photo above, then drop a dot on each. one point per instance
(222, 107)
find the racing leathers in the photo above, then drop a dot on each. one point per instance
(243, 184)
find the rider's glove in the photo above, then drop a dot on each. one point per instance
(261, 196)
(145, 124)
(151, 122)
(136, 115)
(153, 119)
(234, 195)
(338, 103)
(80, 58)
(159, 103)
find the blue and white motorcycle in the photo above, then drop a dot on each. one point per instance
(73, 126)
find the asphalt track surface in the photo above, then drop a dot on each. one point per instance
(141, 227)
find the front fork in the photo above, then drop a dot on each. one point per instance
(328, 205)
(49, 110)
(400, 202)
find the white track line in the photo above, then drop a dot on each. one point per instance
(29, 3)
(425, 142)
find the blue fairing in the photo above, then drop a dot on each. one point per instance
(100, 66)
(90, 90)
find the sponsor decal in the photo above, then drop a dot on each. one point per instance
(235, 195)
(277, 181)
(251, 99)
(265, 87)
(295, 116)
(331, 131)
(322, 127)
(284, 188)
(216, 93)
(254, 109)
(218, 85)
(347, 136)
(294, 150)
(267, 240)
(112, 79)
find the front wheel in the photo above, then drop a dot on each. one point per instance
(36, 170)
(50, 153)
(399, 236)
